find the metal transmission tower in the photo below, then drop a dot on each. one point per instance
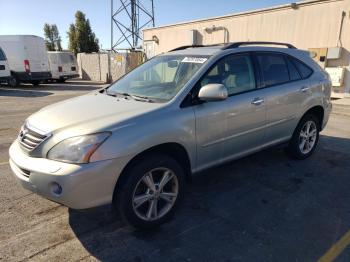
(128, 18)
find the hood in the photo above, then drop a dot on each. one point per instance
(91, 113)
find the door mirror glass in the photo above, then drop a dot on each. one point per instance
(213, 92)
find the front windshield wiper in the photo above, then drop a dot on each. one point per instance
(135, 97)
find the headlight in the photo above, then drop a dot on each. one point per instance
(77, 149)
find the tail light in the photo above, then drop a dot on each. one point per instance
(27, 66)
(60, 69)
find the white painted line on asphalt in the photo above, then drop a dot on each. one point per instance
(3, 163)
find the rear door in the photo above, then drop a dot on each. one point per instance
(36, 54)
(233, 127)
(68, 64)
(284, 87)
(4, 67)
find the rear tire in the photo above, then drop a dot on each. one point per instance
(149, 191)
(305, 137)
(13, 82)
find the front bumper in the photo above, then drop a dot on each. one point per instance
(83, 185)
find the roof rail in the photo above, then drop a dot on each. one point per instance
(193, 46)
(185, 47)
(238, 44)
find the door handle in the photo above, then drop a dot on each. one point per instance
(257, 101)
(304, 88)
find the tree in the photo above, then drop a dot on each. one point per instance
(52, 37)
(81, 38)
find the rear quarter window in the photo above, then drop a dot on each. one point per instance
(303, 69)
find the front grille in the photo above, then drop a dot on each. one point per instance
(30, 139)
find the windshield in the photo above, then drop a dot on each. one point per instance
(160, 78)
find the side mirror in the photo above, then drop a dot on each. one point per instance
(213, 92)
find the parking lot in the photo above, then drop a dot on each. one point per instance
(265, 207)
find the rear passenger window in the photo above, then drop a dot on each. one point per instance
(303, 69)
(293, 72)
(274, 69)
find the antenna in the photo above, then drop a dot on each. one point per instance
(128, 18)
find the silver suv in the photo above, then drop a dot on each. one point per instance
(136, 142)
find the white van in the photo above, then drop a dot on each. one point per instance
(5, 74)
(27, 58)
(63, 65)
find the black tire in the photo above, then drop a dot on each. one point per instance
(293, 147)
(61, 80)
(123, 196)
(35, 83)
(13, 82)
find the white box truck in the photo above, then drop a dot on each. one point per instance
(5, 74)
(63, 65)
(27, 58)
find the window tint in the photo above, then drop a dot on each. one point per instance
(274, 69)
(293, 72)
(2, 55)
(235, 72)
(304, 70)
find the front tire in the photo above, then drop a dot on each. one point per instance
(305, 137)
(150, 191)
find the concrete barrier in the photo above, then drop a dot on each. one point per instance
(107, 67)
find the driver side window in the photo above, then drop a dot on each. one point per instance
(235, 72)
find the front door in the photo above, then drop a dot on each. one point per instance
(230, 128)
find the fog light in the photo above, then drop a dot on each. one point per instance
(56, 189)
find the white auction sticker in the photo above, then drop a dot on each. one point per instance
(199, 60)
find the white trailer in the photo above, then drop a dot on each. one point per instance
(63, 65)
(5, 74)
(27, 58)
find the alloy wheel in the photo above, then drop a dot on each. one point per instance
(155, 194)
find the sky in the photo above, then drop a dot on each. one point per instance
(29, 16)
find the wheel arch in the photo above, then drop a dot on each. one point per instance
(174, 150)
(317, 111)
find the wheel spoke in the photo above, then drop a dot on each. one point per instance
(141, 199)
(308, 125)
(168, 197)
(167, 176)
(148, 180)
(312, 133)
(152, 210)
(302, 145)
(303, 134)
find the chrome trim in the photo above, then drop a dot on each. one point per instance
(30, 137)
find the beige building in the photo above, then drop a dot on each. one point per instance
(322, 26)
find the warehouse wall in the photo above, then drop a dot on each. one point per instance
(313, 24)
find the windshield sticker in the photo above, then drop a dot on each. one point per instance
(199, 60)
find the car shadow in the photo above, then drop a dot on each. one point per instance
(265, 206)
(5, 91)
